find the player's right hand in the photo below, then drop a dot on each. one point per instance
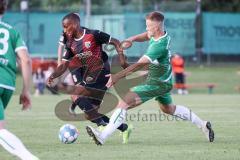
(112, 80)
(25, 100)
(49, 81)
(125, 44)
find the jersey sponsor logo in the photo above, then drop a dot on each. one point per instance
(4, 61)
(88, 44)
(84, 54)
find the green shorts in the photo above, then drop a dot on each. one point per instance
(160, 92)
(5, 96)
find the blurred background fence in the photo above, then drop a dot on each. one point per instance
(197, 34)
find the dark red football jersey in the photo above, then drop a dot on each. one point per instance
(86, 52)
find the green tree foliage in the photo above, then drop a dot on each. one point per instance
(221, 5)
(122, 6)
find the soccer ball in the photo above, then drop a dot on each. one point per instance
(68, 134)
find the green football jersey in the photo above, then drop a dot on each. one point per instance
(160, 69)
(10, 43)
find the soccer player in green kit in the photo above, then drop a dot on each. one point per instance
(157, 85)
(12, 49)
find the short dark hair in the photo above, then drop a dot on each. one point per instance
(155, 16)
(73, 17)
(3, 6)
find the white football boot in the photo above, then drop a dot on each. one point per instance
(95, 134)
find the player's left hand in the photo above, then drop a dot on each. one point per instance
(112, 80)
(49, 81)
(52, 82)
(25, 100)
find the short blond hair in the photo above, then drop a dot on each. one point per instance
(155, 16)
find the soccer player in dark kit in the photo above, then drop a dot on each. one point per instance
(88, 63)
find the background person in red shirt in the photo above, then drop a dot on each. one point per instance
(179, 76)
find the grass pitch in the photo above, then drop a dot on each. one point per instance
(153, 137)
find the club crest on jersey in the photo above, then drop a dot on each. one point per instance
(88, 44)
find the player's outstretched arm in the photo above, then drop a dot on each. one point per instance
(127, 43)
(139, 38)
(142, 62)
(24, 61)
(122, 57)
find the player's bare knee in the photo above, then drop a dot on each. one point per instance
(168, 109)
(122, 104)
(131, 100)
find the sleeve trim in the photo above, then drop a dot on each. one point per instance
(7, 87)
(65, 59)
(61, 43)
(20, 48)
(148, 58)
